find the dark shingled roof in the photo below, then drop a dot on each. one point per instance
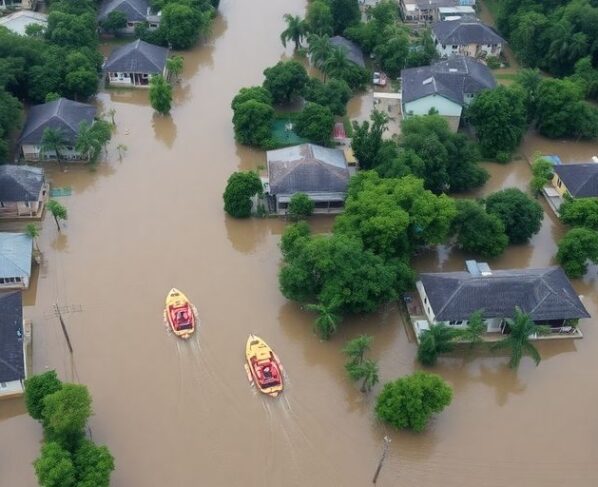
(307, 168)
(65, 115)
(352, 50)
(12, 365)
(465, 31)
(581, 179)
(134, 10)
(137, 57)
(20, 183)
(544, 294)
(452, 79)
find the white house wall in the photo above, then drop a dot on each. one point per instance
(471, 50)
(422, 106)
(11, 389)
(32, 153)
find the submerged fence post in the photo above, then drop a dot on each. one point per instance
(384, 452)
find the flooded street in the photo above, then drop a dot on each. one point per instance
(182, 413)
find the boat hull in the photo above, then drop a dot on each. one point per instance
(178, 305)
(264, 367)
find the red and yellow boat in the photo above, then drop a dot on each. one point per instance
(263, 366)
(180, 314)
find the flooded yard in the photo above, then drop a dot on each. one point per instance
(182, 413)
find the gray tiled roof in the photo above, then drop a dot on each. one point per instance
(544, 294)
(352, 50)
(581, 179)
(65, 115)
(465, 31)
(12, 366)
(20, 183)
(452, 79)
(307, 168)
(137, 57)
(15, 255)
(134, 10)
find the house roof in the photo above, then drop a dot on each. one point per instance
(465, 31)
(65, 115)
(544, 294)
(581, 179)
(452, 79)
(352, 50)
(427, 4)
(307, 168)
(134, 10)
(12, 364)
(137, 57)
(20, 183)
(18, 21)
(15, 255)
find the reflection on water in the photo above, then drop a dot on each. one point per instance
(164, 129)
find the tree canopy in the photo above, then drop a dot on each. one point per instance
(37, 387)
(160, 94)
(438, 339)
(344, 14)
(580, 212)
(315, 123)
(285, 80)
(333, 94)
(257, 93)
(252, 121)
(300, 206)
(240, 188)
(576, 248)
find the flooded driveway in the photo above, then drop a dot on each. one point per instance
(182, 413)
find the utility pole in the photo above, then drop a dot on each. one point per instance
(63, 326)
(384, 452)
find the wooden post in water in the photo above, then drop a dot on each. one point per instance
(384, 452)
(63, 326)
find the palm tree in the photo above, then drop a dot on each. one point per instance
(295, 30)
(438, 339)
(327, 322)
(337, 64)
(518, 341)
(319, 49)
(474, 331)
(32, 232)
(367, 371)
(356, 348)
(174, 65)
(58, 211)
(88, 143)
(53, 140)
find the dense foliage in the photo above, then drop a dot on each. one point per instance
(252, 121)
(285, 81)
(333, 94)
(576, 248)
(581, 212)
(410, 402)
(257, 93)
(38, 387)
(315, 123)
(240, 188)
(160, 95)
(438, 339)
(300, 206)
(542, 173)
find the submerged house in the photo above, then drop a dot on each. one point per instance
(546, 295)
(352, 51)
(577, 180)
(63, 115)
(135, 11)
(320, 172)
(17, 22)
(134, 64)
(13, 369)
(446, 86)
(23, 191)
(466, 37)
(16, 4)
(426, 11)
(16, 253)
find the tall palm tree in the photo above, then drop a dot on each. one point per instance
(32, 232)
(367, 372)
(476, 327)
(355, 349)
(518, 341)
(336, 64)
(174, 65)
(438, 339)
(327, 321)
(88, 142)
(58, 211)
(53, 140)
(295, 30)
(319, 49)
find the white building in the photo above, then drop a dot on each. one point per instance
(134, 64)
(466, 37)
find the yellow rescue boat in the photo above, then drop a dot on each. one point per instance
(263, 366)
(180, 314)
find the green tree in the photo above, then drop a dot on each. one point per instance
(300, 206)
(285, 80)
(52, 97)
(344, 14)
(32, 232)
(409, 402)
(542, 171)
(438, 339)
(319, 48)
(366, 371)
(355, 349)
(58, 211)
(94, 465)
(521, 215)
(65, 414)
(257, 93)
(92, 138)
(114, 22)
(474, 330)
(37, 387)
(160, 94)
(392, 54)
(581, 212)
(336, 65)
(529, 81)
(478, 231)
(175, 65)
(334, 94)
(522, 328)
(576, 248)
(315, 123)
(54, 467)
(367, 139)
(252, 121)
(240, 188)
(295, 30)
(319, 19)
(327, 321)
(53, 140)
(181, 24)
(500, 120)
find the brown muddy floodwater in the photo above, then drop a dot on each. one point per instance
(182, 413)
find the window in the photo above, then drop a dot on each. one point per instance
(559, 183)
(3, 385)
(145, 76)
(130, 24)
(455, 46)
(426, 300)
(456, 323)
(444, 46)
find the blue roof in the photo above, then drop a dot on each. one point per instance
(15, 255)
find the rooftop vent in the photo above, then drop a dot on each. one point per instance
(595, 159)
(478, 268)
(453, 70)
(427, 81)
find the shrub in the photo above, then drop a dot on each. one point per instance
(37, 387)
(240, 188)
(315, 123)
(300, 206)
